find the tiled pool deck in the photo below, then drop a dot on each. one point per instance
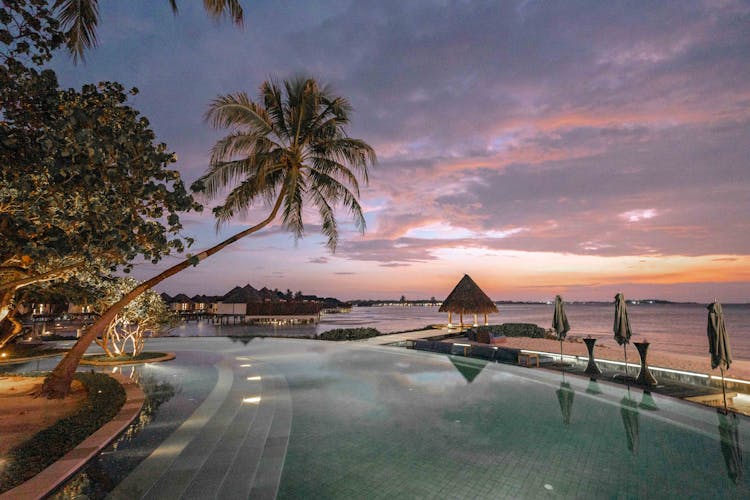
(309, 419)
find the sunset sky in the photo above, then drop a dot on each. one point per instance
(543, 147)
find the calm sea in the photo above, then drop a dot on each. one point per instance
(669, 327)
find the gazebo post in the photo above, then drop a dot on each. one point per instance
(476, 323)
(450, 319)
(485, 319)
(461, 318)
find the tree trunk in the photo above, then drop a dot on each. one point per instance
(10, 328)
(6, 303)
(57, 383)
(8, 292)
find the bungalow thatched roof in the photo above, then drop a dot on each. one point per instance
(181, 298)
(468, 298)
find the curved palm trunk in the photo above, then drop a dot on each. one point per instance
(57, 383)
(10, 328)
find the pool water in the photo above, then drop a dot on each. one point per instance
(345, 420)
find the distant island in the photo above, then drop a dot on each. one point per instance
(435, 302)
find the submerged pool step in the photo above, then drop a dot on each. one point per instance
(191, 462)
(232, 446)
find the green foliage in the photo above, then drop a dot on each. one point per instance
(510, 330)
(105, 398)
(80, 18)
(143, 356)
(28, 31)
(291, 145)
(349, 334)
(147, 313)
(83, 183)
(12, 351)
(86, 177)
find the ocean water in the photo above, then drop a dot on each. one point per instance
(679, 328)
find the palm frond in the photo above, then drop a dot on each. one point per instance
(273, 101)
(293, 202)
(336, 192)
(290, 143)
(354, 152)
(327, 217)
(237, 110)
(336, 169)
(218, 8)
(78, 19)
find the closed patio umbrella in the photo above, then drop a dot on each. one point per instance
(718, 343)
(622, 326)
(560, 323)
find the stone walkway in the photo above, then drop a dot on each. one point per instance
(402, 337)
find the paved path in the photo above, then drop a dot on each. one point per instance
(401, 337)
(232, 446)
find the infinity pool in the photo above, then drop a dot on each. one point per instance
(308, 419)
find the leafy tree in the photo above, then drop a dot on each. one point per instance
(290, 147)
(80, 18)
(86, 187)
(29, 32)
(83, 186)
(147, 313)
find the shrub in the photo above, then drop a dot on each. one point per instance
(349, 334)
(125, 358)
(105, 398)
(508, 329)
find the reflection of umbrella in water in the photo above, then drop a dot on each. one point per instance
(629, 413)
(469, 368)
(647, 402)
(560, 323)
(730, 445)
(565, 397)
(593, 387)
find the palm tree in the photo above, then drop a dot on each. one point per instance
(79, 19)
(289, 148)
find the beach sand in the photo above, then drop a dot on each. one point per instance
(22, 414)
(739, 369)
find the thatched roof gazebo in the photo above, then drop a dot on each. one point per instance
(467, 298)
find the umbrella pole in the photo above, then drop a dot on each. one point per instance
(561, 352)
(625, 350)
(723, 389)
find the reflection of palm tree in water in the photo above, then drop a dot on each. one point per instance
(157, 393)
(96, 480)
